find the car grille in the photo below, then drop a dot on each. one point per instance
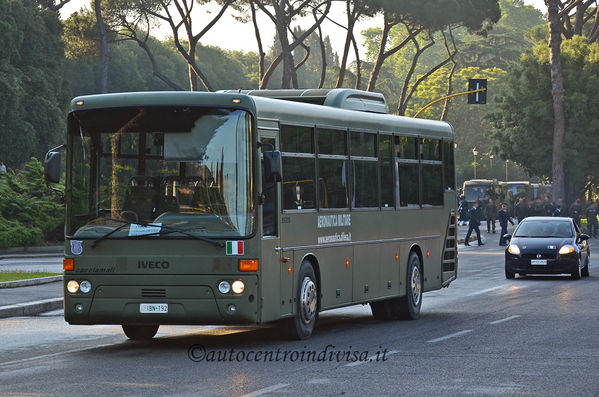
(543, 256)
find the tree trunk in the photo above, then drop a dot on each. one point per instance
(193, 78)
(348, 39)
(557, 90)
(103, 48)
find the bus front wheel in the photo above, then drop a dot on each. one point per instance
(140, 332)
(408, 307)
(302, 324)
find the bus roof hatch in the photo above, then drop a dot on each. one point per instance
(363, 101)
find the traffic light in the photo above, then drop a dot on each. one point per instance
(477, 98)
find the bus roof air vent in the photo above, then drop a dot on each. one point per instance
(363, 101)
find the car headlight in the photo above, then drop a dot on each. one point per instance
(566, 249)
(513, 249)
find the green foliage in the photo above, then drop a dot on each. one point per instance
(29, 211)
(31, 82)
(523, 120)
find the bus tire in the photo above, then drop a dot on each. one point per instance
(408, 307)
(302, 324)
(140, 332)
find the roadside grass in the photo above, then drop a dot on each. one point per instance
(16, 275)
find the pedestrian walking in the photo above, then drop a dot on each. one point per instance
(474, 223)
(491, 213)
(503, 217)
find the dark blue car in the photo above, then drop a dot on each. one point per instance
(547, 245)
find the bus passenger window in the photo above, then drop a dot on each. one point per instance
(299, 168)
(365, 187)
(408, 185)
(448, 165)
(333, 168)
(387, 173)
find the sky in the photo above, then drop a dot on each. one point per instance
(232, 35)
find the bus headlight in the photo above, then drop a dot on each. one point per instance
(73, 286)
(85, 286)
(238, 286)
(224, 287)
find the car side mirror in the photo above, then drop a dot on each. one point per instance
(52, 167)
(584, 236)
(507, 237)
(273, 166)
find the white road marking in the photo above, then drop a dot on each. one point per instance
(266, 390)
(484, 291)
(43, 356)
(455, 335)
(373, 358)
(504, 319)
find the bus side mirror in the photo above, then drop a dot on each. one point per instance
(273, 166)
(52, 167)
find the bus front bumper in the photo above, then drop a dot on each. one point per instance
(181, 303)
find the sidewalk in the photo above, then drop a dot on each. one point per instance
(29, 300)
(34, 296)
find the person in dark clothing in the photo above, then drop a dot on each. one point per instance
(576, 211)
(592, 219)
(558, 210)
(491, 212)
(520, 210)
(474, 223)
(503, 217)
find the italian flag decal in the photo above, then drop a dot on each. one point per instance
(235, 247)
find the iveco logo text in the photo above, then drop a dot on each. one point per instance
(153, 265)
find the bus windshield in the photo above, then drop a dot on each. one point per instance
(475, 192)
(173, 167)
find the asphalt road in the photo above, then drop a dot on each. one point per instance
(482, 336)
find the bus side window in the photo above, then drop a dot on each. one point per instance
(299, 169)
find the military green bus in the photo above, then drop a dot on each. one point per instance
(252, 207)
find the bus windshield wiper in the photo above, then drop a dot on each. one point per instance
(110, 233)
(171, 229)
(164, 230)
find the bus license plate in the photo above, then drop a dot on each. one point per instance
(160, 308)
(538, 261)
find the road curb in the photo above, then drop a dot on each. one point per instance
(30, 308)
(30, 281)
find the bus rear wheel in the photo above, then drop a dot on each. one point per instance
(408, 307)
(302, 324)
(140, 332)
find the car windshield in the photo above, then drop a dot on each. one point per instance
(160, 168)
(543, 229)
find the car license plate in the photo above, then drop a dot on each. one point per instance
(538, 261)
(153, 308)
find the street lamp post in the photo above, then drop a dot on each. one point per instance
(475, 153)
(491, 157)
(506, 163)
